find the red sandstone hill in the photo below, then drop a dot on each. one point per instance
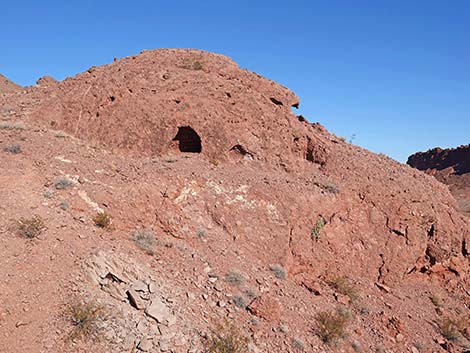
(449, 166)
(225, 206)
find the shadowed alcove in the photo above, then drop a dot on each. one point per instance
(188, 140)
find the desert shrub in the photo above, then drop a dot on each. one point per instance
(279, 271)
(48, 193)
(60, 134)
(86, 319)
(331, 325)
(343, 286)
(201, 233)
(298, 344)
(226, 339)
(235, 278)
(192, 64)
(437, 299)
(239, 301)
(9, 125)
(63, 183)
(454, 329)
(13, 149)
(32, 227)
(64, 205)
(102, 219)
(145, 239)
(315, 233)
(250, 294)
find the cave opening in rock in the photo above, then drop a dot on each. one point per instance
(188, 140)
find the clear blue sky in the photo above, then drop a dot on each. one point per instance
(396, 74)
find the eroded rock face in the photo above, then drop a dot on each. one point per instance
(449, 166)
(141, 104)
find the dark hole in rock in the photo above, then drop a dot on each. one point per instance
(295, 105)
(301, 118)
(296, 139)
(189, 140)
(130, 91)
(431, 231)
(228, 94)
(97, 114)
(177, 101)
(275, 101)
(112, 98)
(53, 123)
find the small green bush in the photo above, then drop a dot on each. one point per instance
(315, 233)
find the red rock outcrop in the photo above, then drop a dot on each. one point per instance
(449, 166)
(212, 159)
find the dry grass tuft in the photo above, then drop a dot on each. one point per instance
(342, 285)
(226, 339)
(331, 325)
(102, 220)
(31, 228)
(85, 318)
(454, 329)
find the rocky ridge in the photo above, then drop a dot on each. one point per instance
(255, 216)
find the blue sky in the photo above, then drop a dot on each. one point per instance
(395, 74)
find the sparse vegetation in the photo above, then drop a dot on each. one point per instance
(60, 134)
(85, 318)
(201, 233)
(315, 233)
(239, 301)
(13, 149)
(145, 239)
(437, 300)
(235, 278)
(250, 294)
(64, 206)
(342, 285)
(10, 125)
(32, 227)
(192, 64)
(102, 220)
(226, 339)
(298, 344)
(63, 183)
(279, 271)
(454, 329)
(331, 325)
(48, 193)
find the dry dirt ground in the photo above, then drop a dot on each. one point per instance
(226, 209)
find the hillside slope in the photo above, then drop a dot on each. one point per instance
(243, 211)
